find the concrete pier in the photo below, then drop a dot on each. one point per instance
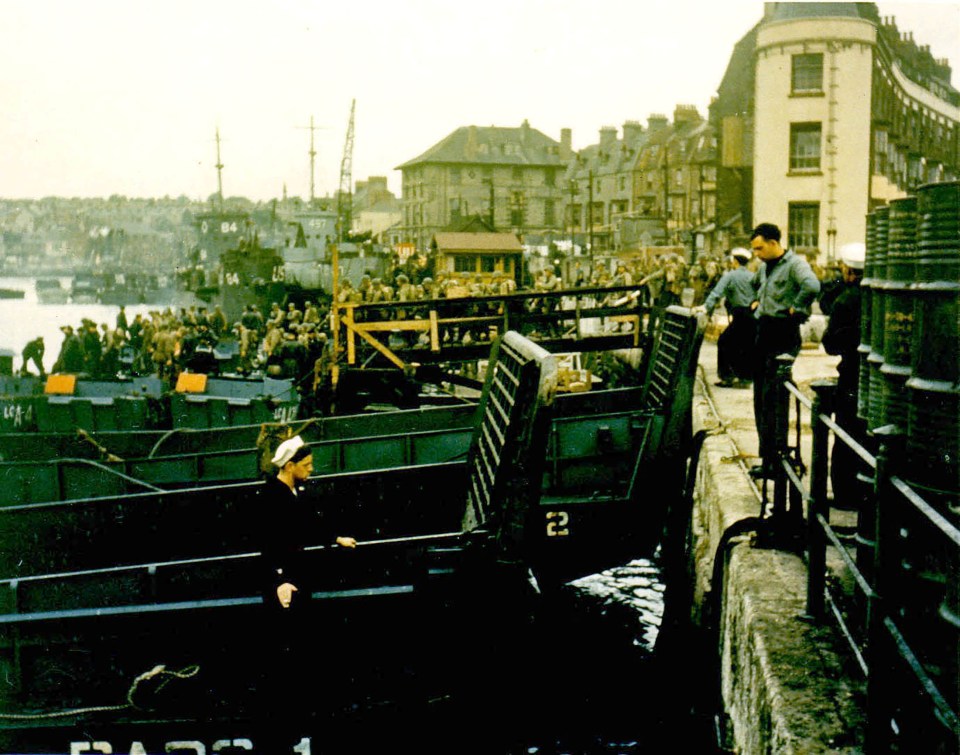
(787, 684)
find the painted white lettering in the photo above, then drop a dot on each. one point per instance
(193, 745)
(222, 744)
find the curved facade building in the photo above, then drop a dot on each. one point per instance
(846, 114)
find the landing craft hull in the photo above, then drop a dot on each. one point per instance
(390, 620)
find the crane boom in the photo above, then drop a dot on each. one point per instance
(345, 195)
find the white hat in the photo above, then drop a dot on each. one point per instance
(852, 255)
(742, 254)
(286, 450)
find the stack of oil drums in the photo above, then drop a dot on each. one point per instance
(910, 377)
(910, 360)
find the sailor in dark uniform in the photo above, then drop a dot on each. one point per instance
(288, 522)
(842, 337)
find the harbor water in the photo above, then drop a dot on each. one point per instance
(26, 319)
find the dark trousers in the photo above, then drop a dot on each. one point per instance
(734, 360)
(774, 336)
(847, 470)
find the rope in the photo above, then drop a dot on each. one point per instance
(156, 672)
(104, 452)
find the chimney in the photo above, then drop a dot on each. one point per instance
(656, 122)
(566, 143)
(524, 131)
(608, 138)
(685, 114)
(631, 131)
(470, 150)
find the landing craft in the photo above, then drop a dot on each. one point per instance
(138, 565)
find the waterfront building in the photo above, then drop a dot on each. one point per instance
(599, 184)
(653, 186)
(826, 111)
(376, 210)
(510, 176)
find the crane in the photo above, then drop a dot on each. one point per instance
(345, 196)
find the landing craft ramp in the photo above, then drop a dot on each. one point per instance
(81, 649)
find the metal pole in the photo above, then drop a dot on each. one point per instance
(824, 394)
(590, 215)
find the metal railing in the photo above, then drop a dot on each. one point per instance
(889, 582)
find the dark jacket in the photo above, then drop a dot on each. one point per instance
(287, 524)
(842, 337)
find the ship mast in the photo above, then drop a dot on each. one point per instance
(219, 174)
(313, 159)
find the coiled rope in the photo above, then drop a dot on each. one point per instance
(157, 672)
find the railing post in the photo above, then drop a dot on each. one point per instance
(881, 655)
(824, 395)
(783, 520)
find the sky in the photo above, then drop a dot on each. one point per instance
(104, 97)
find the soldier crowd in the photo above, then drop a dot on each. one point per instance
(296, 342)
(282, 343)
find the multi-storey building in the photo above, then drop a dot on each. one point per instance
(510, 176)
(376, 210)
(599, 185)
(826, 111)
(656, 184)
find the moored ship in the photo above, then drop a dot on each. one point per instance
(51, 291)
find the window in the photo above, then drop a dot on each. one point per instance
(517, 205)
(881, 146)
(804, 225)
(807, 73)
(455, 210)
(464, 264)
(488, 264)
(549, 176)
(548, 212)
(455, 175)
(518, 173)
(805, 146)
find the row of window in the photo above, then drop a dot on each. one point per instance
(517, 174)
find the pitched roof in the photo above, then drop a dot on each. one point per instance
(478, 242)
(494, 145)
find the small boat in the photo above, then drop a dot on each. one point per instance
(11, 293)
(85, 290)
(51, 291)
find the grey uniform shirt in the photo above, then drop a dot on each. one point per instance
(735, 287)
(790, 284)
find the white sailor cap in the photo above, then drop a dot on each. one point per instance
(742, 254)
(286, 450)
(852, 255)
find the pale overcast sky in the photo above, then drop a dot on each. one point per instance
(108, 97)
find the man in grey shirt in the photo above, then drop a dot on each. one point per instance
(786, 287)
(735, 287)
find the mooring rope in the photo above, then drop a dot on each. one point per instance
(159, 671)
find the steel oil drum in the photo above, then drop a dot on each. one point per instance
(932, 434)
(866, 295)
(898, 309)
(878, 288)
